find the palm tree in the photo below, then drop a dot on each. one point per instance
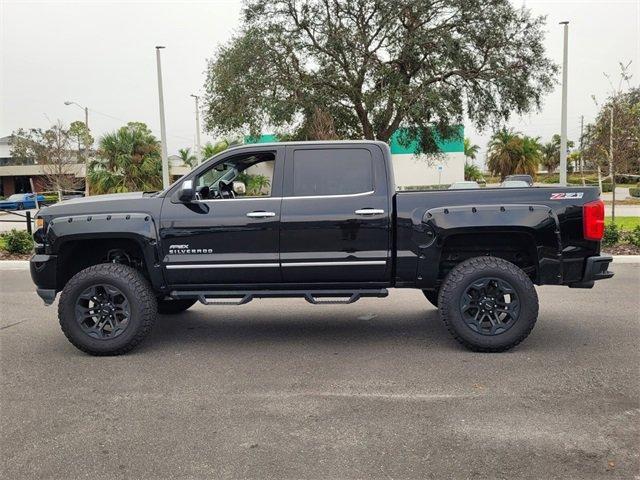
(509, 153)
(550, 157)
(128, 160)
(209, 150)
(470, 150)
(551, 153)
(187, 157)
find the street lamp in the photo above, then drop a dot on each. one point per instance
(86, 123)
(163, 130)
(198, 150)
(86, 111)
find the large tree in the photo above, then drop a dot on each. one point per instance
(128, 160)
(377, 65)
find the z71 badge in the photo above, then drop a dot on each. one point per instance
(564, 195)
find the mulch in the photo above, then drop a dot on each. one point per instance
(14, 256)
(622, 249)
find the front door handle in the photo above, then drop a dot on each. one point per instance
(369, 211)
(261, 214)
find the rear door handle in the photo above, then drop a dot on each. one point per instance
(369, 211)
(261, 214)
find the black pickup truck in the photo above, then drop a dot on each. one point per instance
(317, 220)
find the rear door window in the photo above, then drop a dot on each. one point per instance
(336, 171)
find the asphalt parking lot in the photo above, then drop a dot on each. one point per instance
(283, 389)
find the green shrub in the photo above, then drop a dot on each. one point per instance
(635, 192)
(611, 234)
(472, 172)
(633, 237)
(607, 187)
(17, 241)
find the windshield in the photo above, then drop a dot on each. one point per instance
(17, 196)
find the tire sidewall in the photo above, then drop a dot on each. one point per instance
(68, 316)
(525, 292)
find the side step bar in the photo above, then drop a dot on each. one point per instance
(316, 297)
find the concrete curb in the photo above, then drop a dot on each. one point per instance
(24, 264)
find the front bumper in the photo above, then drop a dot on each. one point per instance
(596, 268)
(43, 273)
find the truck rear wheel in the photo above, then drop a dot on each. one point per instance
(488, 304)
(107, 309)
(171, 307)
(432, 296)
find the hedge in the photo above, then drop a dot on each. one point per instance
(635, 192)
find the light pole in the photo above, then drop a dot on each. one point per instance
(198, 149)
(163, 130)
(86, 161)
(563, 121)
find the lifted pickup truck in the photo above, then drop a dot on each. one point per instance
(317, 220)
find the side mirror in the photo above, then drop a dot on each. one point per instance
(239, 188)
(186, 193)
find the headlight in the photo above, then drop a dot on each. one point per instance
(39, 222)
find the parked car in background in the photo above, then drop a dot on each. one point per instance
(523, 178)
(20, 201)
(514, 184)
(467, 184)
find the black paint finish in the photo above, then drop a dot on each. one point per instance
(345, 240)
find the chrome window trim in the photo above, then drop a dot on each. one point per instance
(343, 195)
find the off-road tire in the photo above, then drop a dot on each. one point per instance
(455, 285)
(139, 294)
(432, 296)
(171, 307)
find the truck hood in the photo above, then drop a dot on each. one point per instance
(110, 203)
(102, 198)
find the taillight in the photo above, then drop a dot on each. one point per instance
(593, 220)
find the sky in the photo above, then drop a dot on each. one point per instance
(102, 55)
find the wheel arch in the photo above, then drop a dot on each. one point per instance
(526, 235)
(84, 240)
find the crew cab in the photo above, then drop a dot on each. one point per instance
(317, 220)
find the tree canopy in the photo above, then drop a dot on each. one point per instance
(375, 65)
(510, 153)
(128, 160)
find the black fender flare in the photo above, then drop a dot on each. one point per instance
(139, 227)
(538, 221)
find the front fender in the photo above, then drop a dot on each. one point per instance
(537, 221)
(138, 227)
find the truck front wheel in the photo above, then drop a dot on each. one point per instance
(107, 309)
(488, 304)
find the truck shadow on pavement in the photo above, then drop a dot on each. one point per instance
(209, 326)
(234, 326)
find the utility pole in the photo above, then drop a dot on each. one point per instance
(163, 130)
(581, 156)
(563, 121)
(198, 149)
(611, 169)
(86, 164)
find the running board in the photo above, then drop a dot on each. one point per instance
(315, 297)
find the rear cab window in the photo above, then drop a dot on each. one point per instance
(331, 171)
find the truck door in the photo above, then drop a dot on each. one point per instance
(229, 234)
(336, 221)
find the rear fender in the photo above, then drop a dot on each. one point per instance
(537, 221)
